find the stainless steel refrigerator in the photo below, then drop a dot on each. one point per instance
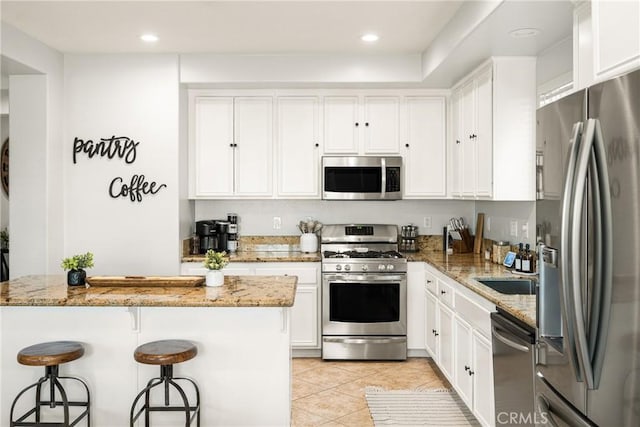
(588, 220)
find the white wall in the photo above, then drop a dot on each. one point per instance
(48, 217)
(124, 95)
(210, 68)
(499, 216)
(256, 216)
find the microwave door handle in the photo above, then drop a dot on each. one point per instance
(383, 165)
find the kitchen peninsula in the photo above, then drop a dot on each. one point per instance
(242, 331)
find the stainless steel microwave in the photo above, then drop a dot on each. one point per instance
(361, 178)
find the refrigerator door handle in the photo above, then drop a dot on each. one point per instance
(565, 249)
(580, 183)
(603, 284)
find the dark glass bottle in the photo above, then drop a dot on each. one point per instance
(527, 260)
(519, 258)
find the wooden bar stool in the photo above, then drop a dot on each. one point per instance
(51, 355)
(166, 353)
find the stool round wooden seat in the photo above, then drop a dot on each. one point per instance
(51, 355)
(166, 353)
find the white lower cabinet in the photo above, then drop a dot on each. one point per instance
(457, 323)
(305, 313)
(445, 339)
(415, 306)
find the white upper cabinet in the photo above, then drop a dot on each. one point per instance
(298, 147)
(381, 125)
(230, 146)
(616, 37)
(211, 143)
(341, 125)
(253, 127)
(361, 125)
(424, 148)
(493, 144)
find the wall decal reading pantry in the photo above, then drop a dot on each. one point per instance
(124, 148)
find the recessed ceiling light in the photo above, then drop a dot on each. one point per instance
(520, 33)
(149, 38)
(370, 38)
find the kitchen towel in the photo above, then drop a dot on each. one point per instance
(439, 407)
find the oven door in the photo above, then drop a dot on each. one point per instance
(364, 304)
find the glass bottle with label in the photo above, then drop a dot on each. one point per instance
(526, 260)
(519, 258)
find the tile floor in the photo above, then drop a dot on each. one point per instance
(331, 393)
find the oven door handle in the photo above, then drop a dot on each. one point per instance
(355, 278)
(365, 340)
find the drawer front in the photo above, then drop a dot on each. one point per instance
(446, 294)
(473, 314)
(305, 275)
(431, 283)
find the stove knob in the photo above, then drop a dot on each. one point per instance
(347, 267)
(338, 267)
(389, 266)
(365, 267)
(381, 267)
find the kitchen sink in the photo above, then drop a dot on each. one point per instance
(509, 286)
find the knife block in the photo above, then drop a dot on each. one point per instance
(465, 245)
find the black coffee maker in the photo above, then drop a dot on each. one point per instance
(222, 231)
(206, 231)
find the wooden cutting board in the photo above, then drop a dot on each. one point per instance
(477, 246)
(149, 281)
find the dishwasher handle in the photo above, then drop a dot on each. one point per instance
(508, 342)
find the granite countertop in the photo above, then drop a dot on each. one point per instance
(263, 256)
(237, 291)
(464, 267)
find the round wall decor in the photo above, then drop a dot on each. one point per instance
(4, 166)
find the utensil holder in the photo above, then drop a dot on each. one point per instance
(308, 242)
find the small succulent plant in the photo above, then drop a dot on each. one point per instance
(78, 262)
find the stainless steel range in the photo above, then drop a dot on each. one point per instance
(364, 293)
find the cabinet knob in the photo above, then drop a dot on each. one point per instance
(466, 368)
(443, 292)
(231, 145)
(471, 372)
(436, 334)
(317, 145)
(357, 124)
(473, 136)
(406, 145)
(366, 124)
(457, 141)
(433, 331)
(429, 281)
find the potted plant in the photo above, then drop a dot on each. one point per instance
(76, 265)
(215, 262)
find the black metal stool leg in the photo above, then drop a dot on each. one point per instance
(23, 391)
(88, 403)
(197, 390)
(147, 389)
(51, 375)
(187, 413)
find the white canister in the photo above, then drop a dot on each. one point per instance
(308, 242)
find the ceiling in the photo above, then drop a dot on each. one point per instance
(245, 27)
(298, 27)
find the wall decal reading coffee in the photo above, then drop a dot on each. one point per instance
(134, 189)
(121, 146)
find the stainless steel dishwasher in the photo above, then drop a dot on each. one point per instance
(513, 373)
